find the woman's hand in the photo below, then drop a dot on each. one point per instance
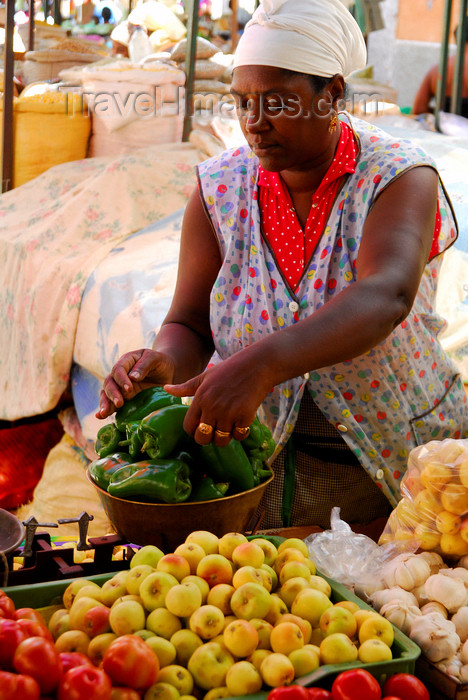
(132, 373)
(225, 397)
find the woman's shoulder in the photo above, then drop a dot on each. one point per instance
(379, 146)
(237, 159)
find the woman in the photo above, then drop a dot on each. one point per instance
(309, 263)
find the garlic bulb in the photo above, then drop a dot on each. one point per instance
(453, 667)
(400, 614)
(436, 636)
(448, 590)
(459, 572)
(406, 570)
(464, 673)
(366, 590)
(464, 652)
(420, 594)
(460, 620)
(434, 606)
(463, 561)
(434, 560)
(380, 598)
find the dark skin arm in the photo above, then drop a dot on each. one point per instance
(394, 250)
(426, 91)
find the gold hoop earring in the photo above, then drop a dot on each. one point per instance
(333, 123)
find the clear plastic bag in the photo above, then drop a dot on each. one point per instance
(352, 559)
(433, 510)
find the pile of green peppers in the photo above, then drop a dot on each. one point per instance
(146, 455)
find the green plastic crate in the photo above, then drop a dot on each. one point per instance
(405, 652)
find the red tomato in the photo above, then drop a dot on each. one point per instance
(30, 614)
(72, 659)
(125, 694)
(11, 635)
(289, 692)
(129, 661)
(390, 697)
(7, 607)
(356, 684)
(406, 687)
(37, 657)
(14, 686)
(319, 694)
(32, 628)
(85, 683)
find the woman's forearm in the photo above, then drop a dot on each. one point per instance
(189, 351)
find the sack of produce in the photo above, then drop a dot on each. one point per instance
(203, 49)
(433, 511)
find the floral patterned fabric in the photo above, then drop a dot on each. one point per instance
(54, 230)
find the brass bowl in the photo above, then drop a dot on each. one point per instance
(166, 525)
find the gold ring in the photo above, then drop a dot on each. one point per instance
(243, 431)
(222, 433)
(205, 428)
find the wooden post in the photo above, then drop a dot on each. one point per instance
(234, 25)
(190, 56)
(7, 126)
(442, 79)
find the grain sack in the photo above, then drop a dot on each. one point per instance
(48, 129)
(46, 64)
(203, 49)
(208, 69)
(155, 15)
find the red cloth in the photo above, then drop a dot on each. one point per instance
(292, 246)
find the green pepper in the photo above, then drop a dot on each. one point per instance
(207, 490)
(162, 480)
(102, 469)
(133, 441)
(259, 442)
(228, 463)
(108, 440)
(162, 432)
(142, 404)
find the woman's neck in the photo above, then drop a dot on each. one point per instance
(303, 181)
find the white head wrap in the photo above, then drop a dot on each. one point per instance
(317, 37)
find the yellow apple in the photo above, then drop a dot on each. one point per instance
(373, 650)
(427, 505)
(163, 623)
(454, 545)
(454, 498)
(294, 543)
(310, 604)
(248, 554)
(246, 574)
(163, 648)
(127, 617)
(136, 598)
(92, 590)
(162, 691)
(250, 600)
(426, 536)
(463, 472)
(349, 605)
(73, 640)
(220, 596)
(463, 529)
(405, 514)
(337, 648)
(154, 588)
(277, 670)
(192, 553)
(293, 569)
(96, 620)
(114, 588)
(78, 609)
(148, 554)
(214, 569)
(209, 665)
(269, 550)
(267, 580)
(316, 636)
(257, 657)
(377, 627)
(174, 564)
(338, 619)
(447, 523)
(320, 584)
(216, 693)
(185, 642)
(285, 637)
(241, 638)
(178, 676)
(304, 625)
(291, 587)
(98, 645)
(72, 589)
(362, 614)
(228, 542)
(59, 622)
(288, 554)
(243, 678)
(274, 576)
(435, 475)
(263, 630)
(277, 608)
(183, 599)
(135, 577)
(304, 660)
(207, 540)
(207, 621)
(200, 582)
